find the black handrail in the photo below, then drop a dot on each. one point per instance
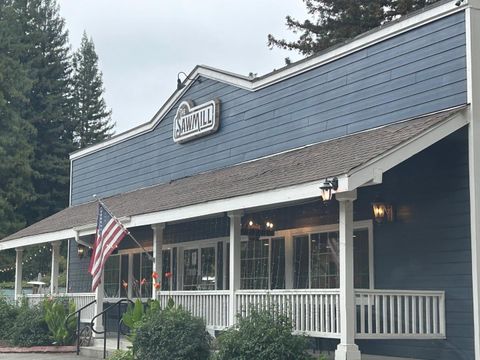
(79, 312)
(104, 332)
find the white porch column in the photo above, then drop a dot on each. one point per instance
(235, 236)
(473, 86)
(346, 350)
(99, 295)
(54, 272)
(18, 272)
(157, 254)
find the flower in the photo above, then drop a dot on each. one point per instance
(143, 281)
(168, 275)
(124, 284)
(157, 285)
(155, 275)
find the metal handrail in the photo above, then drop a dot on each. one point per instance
(79, 311)
(104, 332)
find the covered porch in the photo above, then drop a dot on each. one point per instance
(338, 270)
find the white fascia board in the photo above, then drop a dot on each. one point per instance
(272, 197)
(37, 239)
(302, 66)
(370, 171)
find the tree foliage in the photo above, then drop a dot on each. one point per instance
(45, 93)
(335, 21)
(17, 133)
(47, 58)
(92, 119)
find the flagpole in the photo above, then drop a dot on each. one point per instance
(150, 257)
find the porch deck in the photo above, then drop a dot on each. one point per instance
(380, 314)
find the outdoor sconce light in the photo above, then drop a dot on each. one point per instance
(382, 211)
(81, 251)
(269, 225)
(328, 188)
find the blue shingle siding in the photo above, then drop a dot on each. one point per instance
(428, 246)
(414, 73)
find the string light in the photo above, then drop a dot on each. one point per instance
(26, 261)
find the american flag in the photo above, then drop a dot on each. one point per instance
(109, 234)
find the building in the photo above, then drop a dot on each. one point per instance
(228, 187)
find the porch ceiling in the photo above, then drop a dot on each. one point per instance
(287, 176)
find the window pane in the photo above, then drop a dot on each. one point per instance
(112, 277)
(124, 275)
(254, 264)
(227, 267)
(166, 267)
(136, 275)
(325, 260)
(208, 279)
(220, 265)
(146, 275)
(190, 266)
(361, 259)
(174, 269)
(301, 255)
(277, 267)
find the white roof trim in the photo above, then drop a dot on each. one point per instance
(372, 171)
(38, 239)
(243, 82)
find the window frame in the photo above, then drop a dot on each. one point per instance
(308, 231)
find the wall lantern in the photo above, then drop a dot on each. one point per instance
(382, 211)
(81, 251)
(328, 188)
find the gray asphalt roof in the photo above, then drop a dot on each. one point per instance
(316, 162)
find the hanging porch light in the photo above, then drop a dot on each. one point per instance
(328, 188)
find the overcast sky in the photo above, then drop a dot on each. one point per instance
(143, 44)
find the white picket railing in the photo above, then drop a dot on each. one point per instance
(80, 300)
(212, 306)
(399, 314)
(314, 312)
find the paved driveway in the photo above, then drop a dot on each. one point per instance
(30, 356)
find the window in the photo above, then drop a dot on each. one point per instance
(324, 260)
(316, 260)
(112, 277)
(117, 270)
(199, 268)
(263, 263)
(166, 268)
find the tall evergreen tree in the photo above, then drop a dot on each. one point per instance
(92, 119)
(49, 111)
(335, 21)
(16, 134)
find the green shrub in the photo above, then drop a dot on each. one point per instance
(30, 328)
(56, 313)
(264, 335)
(171, 334)
(135, 314)
(8, 314)
(122, 355)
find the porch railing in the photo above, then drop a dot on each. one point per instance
(314, 312)
(212, 306)
(80, 300)
(399, 314)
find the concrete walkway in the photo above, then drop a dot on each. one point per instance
(35, 356)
